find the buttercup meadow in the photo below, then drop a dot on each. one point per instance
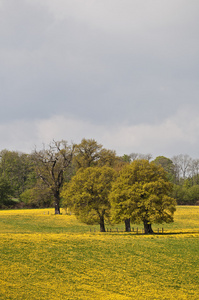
(47, 256)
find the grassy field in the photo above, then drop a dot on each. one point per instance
(43, 256)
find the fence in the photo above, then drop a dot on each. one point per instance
(134, 230)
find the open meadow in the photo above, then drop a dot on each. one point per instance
(47, 256)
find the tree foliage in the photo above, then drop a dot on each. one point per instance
(17, 169)
(90, 154)
(141, 193)
(5, 192)
(186, 195)
(87, 194)
(167, 165)
(39, 196)
(58, 162)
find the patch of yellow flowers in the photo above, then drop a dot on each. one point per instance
(79, 265)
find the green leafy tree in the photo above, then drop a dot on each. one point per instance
(178, 193)
(5, 192)
(51, 164)
(107, 158)
(192, 195)
(38, 196)
(141, 193)
(167, 165)
(90, 154)
(17, 169)
(87, 194)
(126, 158)
(185, 194)
(87, 153)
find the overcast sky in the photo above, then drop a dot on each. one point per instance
(123, 72)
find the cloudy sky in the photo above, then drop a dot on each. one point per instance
(123, 72)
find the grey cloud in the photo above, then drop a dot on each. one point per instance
(105, 62)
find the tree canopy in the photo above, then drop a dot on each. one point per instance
(87, 194)
(59, 161)
(17, 169)
(142, 193)
(167, 165)
(89, 154)
(5, 192)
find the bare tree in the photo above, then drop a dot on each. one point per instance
(182, 164)
(134, 156)
(194, 171)
(50, 165)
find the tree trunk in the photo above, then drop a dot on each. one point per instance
(147, 228)
(57, 208)
(127, 225)
(57, 202)
(102, 226)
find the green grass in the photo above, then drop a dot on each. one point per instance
(43, 256)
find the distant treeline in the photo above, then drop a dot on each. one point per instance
(35, 180)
